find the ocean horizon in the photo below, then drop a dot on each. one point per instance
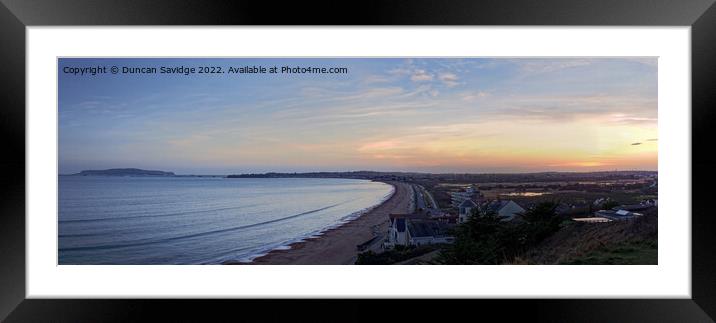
(200, 220)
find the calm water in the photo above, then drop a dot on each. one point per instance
(192, 220)
(526, 193)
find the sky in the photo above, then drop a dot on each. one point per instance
(439, 115)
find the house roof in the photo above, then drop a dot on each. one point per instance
(426, 228)
(616, 215)
(631, 207)
(626, 213)
(392, 217)
(606, 212)
(400, 224)
(467, 203)
(496, 206)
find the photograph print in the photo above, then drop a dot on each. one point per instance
(358, 161)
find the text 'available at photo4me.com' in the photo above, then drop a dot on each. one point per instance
(202, 69)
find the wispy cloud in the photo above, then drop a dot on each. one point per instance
(546, 65)
(605, 108)
(437, 114)
(472, 96)
(449, 79)
(421, 76)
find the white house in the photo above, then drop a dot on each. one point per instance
(465, 210)
(649, 202)
(505, 209)
(406, 231)
(458, 197)
(424, 231)
(618, 215)
(397, 234)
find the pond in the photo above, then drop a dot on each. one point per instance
(528, 194)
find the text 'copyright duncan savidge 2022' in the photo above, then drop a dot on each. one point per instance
(96, 70)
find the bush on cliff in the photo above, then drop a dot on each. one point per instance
(488, 240)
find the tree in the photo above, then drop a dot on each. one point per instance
(476, 240)
(485, 239)
(608, 205)
(541, 222)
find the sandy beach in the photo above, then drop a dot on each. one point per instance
(338, 246)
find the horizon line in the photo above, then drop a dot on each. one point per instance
(375, 171)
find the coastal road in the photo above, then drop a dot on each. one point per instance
(338, 246)
(424, 200)
(419, 200)
(432, 200)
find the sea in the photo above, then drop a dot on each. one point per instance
(200, 220)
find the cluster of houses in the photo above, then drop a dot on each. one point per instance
(413, 230)
(506, 209)
(471, 199)
(622, 212)
(470, 193)
(424, 228)
(420, 229)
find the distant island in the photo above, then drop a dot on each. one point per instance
(124, 172)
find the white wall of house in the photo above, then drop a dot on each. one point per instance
(421, 241)
(397, 238)
(402, 238)
(465, 212)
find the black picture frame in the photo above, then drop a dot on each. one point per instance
(15, 15)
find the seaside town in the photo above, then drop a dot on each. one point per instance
(365, 161)
(607, 217)
(540, 218)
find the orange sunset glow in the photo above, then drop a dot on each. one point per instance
(428, 115)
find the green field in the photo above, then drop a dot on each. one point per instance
(627, 253)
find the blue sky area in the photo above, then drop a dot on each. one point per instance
(389, 114)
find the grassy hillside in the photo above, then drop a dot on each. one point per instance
(542, 238)
(623, 243)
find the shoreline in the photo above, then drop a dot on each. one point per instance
(296, 244)
(338, 246)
